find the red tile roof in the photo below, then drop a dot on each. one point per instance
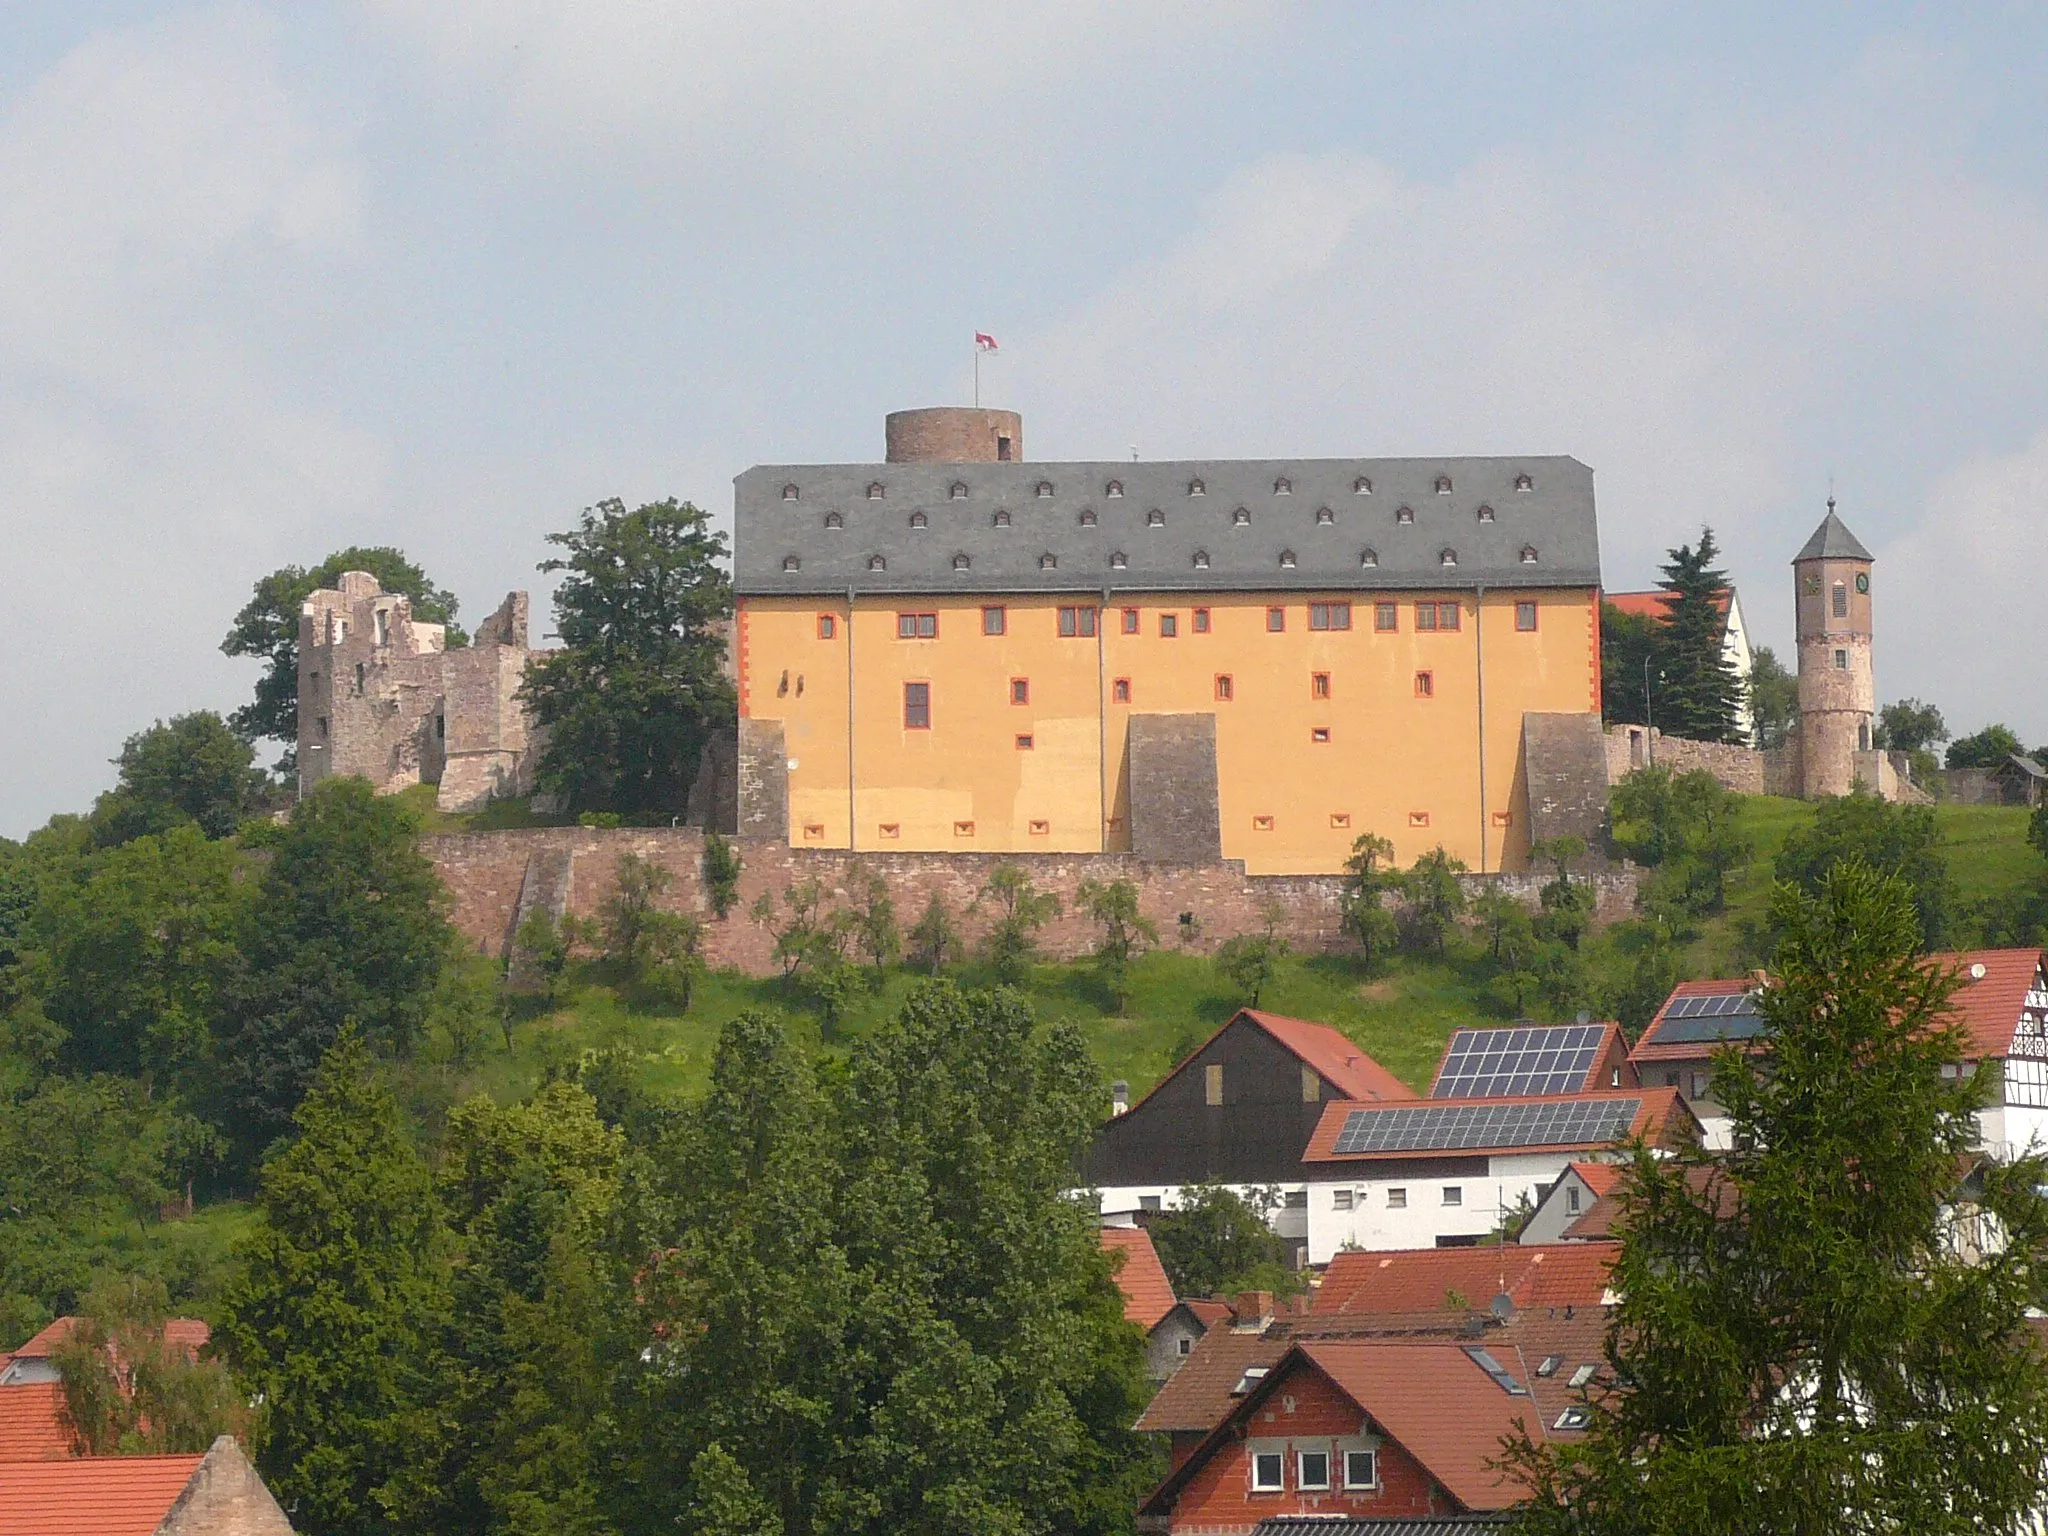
(1412, 1280)
(1208, 1311)
(92, 1496)
(1653, 605)
(1661, 1113)
(1331, 1053)
(32, 1423)
(186, 1333)
(1598, 1177)
(1148, 1294)
(1198, 1395)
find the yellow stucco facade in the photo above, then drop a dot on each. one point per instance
(1339, 716)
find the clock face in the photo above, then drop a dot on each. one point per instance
(1863, 581)
(1813, 586)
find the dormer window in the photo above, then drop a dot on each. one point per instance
(1325, 517)
(1000, 520)
(919, 520)
(1087, 517)
(1114, 488)
(874, 490)
(1443, 485)
(1118, 561)
(961, 562)
(1241, 518)
(1528, 554)
(1368, 558)
(1361, 486)
(1196, 488)
(1447, 556)
(1155, 519)
(1524, 483)
(791, 563)
(1048, 561)
(875, 563)
(1201, 559)
(1283, 487)
(789, 493)
(834, 520)
(1286, 559)
(1044, 489)
(1405, 515)
(1486, 514)
(958, 491)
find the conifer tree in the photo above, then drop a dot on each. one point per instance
(1698, 695)
(1816, 1331)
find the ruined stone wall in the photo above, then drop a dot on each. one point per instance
(487, 872)
(1175, 817)
(1629, 747)
(1565, 769)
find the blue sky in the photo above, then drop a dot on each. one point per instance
(276, 279)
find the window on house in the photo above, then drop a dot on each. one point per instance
(1183, 1346)
(1841, 661)
(1269, 1471)
(1196, 488)
(1447, 556)
(1048, 561)
(1425, 615)
(1114, 488)
(1155, 518)
(1287, 559)
(1120, 690)
(834, 520)
(1087, 519)
(875, 490)
(1024, 744)
(1329, 615)
(1169, 625)
(1276, 620)
(828, 626)
(917, 706)
(1528, 554)
(1212, 1084)
(1524, 483)
(1525, 617)
(917, 626)
(1839, 604)
(957, 490)
(1201, 559)
(919, 520)
(1119, 561)
(791, 563)
(1443, 485)
(1283, 487)
(1454, 1194)
(1002, 449)
(999, 519)
(1386, 616)
(1577, 1416)
(1361, 486)
(1044, 489)
(1313, 1469)
(1325, 517)
(1700, 1083)
(1320, 735)
(1438, 615)
(875, 562)
(1571, 1199)
(961, 561)
(1340, 819)
(789, 493)
(1020, 690)
(1201, 621)
(1241, 518)
(1368, 559)
(1425, 685)
(995, 621)
(1225, 688)
(1311, 1085)
(1130, 621)
(1397, 1199)
(1341, 1200)
(1319, 685)
(1361, 1469)
(1077, 622)
(1262, 823)
(1404, 515)
(1486, 514)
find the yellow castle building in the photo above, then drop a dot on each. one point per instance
(960, 650)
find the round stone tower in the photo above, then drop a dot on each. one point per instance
(954, 434)
(1837, 690)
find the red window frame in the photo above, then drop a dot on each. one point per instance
(917, 706)
(1020, 690)
(1276, 621)
(1525, 618)
(917, 626)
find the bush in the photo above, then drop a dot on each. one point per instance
(721, 874)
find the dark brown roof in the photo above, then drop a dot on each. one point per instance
(1199, 1394)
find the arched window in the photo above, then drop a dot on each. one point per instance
(834, 520)
(1361, 486)
(1201, 559)
(1524, 483)
(877, 563)
(961, 562)
(1118, 561)
(1283, 487)
(1447, 556)
(1443, 485)
(1368, 558)
(789, 492)
(1404, 515)
(791, 563)
(1196, 488)
(1241, 518)
(1044, 489)
(1287, 559)
(1000, 520)
(1325, 517)
(1155, 519)
(1048, 561)
(1087, 517)
(919, 520)
(874, 490)
(1528, 554)
(958, 492)
(1486, 514)
(1114, 488)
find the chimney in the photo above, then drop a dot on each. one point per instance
(1119, 1097)
(1252, 1310)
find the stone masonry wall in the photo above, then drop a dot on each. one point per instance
(486, 871)
(1740, 769)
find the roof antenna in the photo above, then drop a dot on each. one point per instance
(1831, 493)
(1134, 453)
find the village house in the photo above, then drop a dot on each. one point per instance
(215, 1494)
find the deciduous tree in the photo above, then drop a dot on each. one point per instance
(192, 771)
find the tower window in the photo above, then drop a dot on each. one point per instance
(1839, 602)
(1525, 617)
(1841, 661)
(995, 621)
(917, 706)
(1003, 449)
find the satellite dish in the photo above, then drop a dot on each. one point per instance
(1502, 1306)
(1977, 970)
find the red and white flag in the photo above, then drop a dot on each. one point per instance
(983, 340)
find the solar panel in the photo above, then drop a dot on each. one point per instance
(1456, 1127)
(1694, 1020)
(1518, 1059)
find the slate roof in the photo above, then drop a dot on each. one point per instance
(92, 1496)
(1554, 518)
(1411, 1280)
(1832, 540)
(32, 1423)
(1148, 1294)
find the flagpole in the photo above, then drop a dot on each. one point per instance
(977, 374)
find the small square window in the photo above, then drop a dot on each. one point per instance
(813, 831)
(1454, 1194)
(1341, 1200)
(1361, 1469)
(1418, 818)
(1313, 1468)
(1397, 1199)
(1262, 823)
(995, 621)
(1276, 620)
(1320, 735)
(1225, 688)
(1025, 743)
(1319, 685)
(963, 829)
(1525, 617)
(1130, 621)
(1386, 616)
(1503, 818)
(917, 706)
(1425, 685)
(891, 829)
(1340, 820)
(1120, 690)
(828, 626)
(1040, 828)
(1269, 1472)
(1169, 625)
(1201, 621)
(1183, 1346)
(1212, 1084)
(1020, 690)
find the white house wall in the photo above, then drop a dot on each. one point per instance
(1375, 1225)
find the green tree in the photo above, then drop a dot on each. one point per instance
(1901, 840)
(192, 771)
(1126, 933)
(1436, 899)
(349, 923)
(1907, 725)
(1807, 1340)
(1773, 698)
(1011, 943)
(934, 939)
(721, 874)
(1369, 877)
(1699, 693)
(1687, 827)
(875, 931)
(1505, 924)
(1988, 748)
(268, 627)
(343, 1286)
(1629, 643)
(658, 952)
(127, 1390)
(1215, 1242)
(640, 685)
(1248, 961)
